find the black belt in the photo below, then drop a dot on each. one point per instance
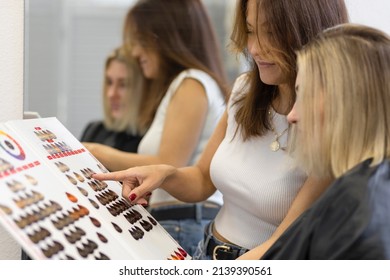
(182, 212)
(219, 250)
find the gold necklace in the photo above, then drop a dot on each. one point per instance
(275, 145)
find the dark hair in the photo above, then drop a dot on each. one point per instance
(292, 25)
(181, 32)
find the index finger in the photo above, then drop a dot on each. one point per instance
(113, 176)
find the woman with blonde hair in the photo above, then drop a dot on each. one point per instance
(121, 94)
(342, 116)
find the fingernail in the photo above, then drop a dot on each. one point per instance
(132, 197)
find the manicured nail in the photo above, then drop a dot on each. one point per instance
(132, 197)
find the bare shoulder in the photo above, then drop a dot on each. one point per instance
(190, 86)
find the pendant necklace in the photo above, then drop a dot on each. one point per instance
(275, 145)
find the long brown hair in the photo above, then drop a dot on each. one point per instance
(182, 34)
(292, 24)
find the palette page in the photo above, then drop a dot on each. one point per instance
(54, 208)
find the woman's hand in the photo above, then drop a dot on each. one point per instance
(139, 182)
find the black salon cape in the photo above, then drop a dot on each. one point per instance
(96, 132)
(351, 220)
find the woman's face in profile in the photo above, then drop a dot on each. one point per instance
(299, 112)
(116, 88)
(293, 116)
(270, 71)
(147, 58)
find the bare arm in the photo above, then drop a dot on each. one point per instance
(309, 193)
(183, 126)
(188, 184)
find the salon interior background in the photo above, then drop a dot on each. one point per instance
(67, 41)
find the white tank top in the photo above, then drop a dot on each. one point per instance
(258, 185)
(150, 143)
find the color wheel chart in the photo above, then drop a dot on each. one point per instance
(10, 146)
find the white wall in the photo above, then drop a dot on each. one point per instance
(374, 13)
(11, 86)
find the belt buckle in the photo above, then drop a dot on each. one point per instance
(222, 247)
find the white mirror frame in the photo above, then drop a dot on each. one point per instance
(11, 87)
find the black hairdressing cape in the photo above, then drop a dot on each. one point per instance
(96, 132)
(351, 220)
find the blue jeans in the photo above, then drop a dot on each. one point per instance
(201, 250)
(186, 232)
(185, 222)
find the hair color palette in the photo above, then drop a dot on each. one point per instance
(56, 210)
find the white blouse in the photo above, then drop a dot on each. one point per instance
(258, 185)
(150, 143)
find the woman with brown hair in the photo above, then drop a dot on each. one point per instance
(183, 97)
(246, 158)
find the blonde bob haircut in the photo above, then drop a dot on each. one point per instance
(343, 100)
(129, 123)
